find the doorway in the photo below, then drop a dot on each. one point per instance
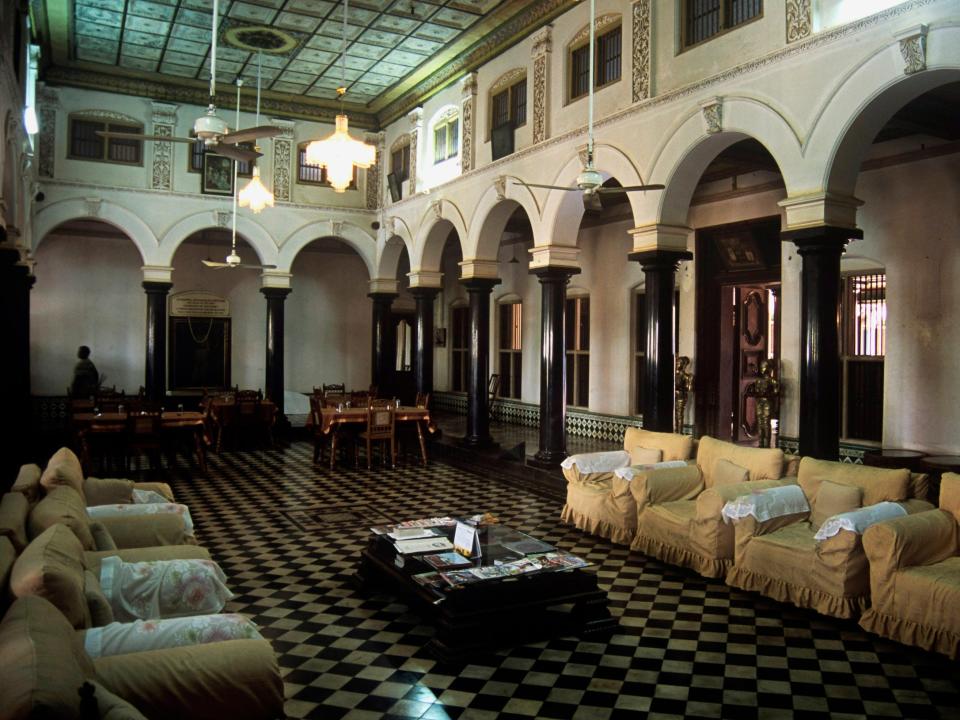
(738, 324)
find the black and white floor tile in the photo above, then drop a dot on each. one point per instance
(288, 534)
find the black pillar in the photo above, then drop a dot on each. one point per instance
(553, 357)
(820, 248)
(15, 284)
(423, 338)
(273, 382)
(659, 269)
(478, 406)
(383, 351)
(155, 381)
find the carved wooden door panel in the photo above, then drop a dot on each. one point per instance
(751, 326)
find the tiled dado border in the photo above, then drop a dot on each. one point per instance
(598, 425)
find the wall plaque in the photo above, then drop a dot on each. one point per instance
(196, 303)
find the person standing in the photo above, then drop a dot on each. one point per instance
(86, 379)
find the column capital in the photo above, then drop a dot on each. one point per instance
(821, 209)
(554, 273)
(159, 288)
(660, 259)
(276, 293)
(478, 284)
(425, 279)
(157, 273)
(809, 239)
(480, 269)
(657, 236)
(555, 256)
(275, 279)
(384, 286)
(382, 297)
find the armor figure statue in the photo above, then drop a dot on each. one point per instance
(683, 385)
(766, 391)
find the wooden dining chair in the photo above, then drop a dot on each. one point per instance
(381, 427)
(144, 434)
(320, 439)
(423, 400)
(338, 388)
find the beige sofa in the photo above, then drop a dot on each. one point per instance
(915, 575)
(600, 502)
(782, 558)
(45, 667)
(678, 509)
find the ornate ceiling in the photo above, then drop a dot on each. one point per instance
(398, 51)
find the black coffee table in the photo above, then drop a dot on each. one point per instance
(483, 615)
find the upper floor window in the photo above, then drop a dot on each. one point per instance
(446, 138)
(315, 174)
(509, 106)
(199, 149)
(400, 162)
(85, 144)
(607, 68)
(703, 19)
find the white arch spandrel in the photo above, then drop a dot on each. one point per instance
(491, 214)
(863, 103)
(435, 225)
(687, 151)
(563, 210)
(364, 244)
(389, 253)
(252, 232)
(49, 217)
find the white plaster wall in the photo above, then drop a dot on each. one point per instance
(328, 322)
(88, 292)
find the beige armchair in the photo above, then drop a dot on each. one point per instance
(599, 501)
(678, 509)
(915, 575)
(45, 666)
(785, 557)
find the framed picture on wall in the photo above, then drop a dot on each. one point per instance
(199, 353)
(440, 337)
(217, 174)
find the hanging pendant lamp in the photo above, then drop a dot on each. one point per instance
(339, 152)
(254, 194)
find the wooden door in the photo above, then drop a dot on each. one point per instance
(753, 345)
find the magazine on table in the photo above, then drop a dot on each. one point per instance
(419, 523)
(446, 560)
(423, 545)
(459, 577)
(559, 560)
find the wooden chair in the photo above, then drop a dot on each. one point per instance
(373, 391)
(381, 427)
(359, 398)
(249, 414)
(423, 400)
(144, 434)
(339, 388)
(110, 400)
(320, 440)
(331, 400)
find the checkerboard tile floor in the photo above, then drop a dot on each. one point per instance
(288, 534)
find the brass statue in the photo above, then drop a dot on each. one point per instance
(683, 385)
(766, 390)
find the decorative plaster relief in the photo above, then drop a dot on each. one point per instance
(500, 186)
(712, 115)
(282, 157)
(222, 217)
(437, 207)
(507, 79)
(601, 24)
(164, 121)
(93, 205)
(582, 154)
(540, 99)
(390, 226)
(415, 118)
(799, 20)
(336, 228)
(373, 172)
(641, 50)
(468, 93)
(913, 48)
(47, 102)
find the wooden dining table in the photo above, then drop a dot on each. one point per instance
(116, 422)
(332, 418)
(223, 414)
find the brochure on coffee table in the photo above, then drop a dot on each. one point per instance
(433, 544)
(459, 577)
(412, 533)
(433, 580)
(558, 561)
(530, 546)
(419, 523)
(446, 560)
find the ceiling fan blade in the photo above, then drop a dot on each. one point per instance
(138, 136)
(239, 136)
(214, 264)
(255, 267)
(628, 188)
(538, 185)
(235, 153)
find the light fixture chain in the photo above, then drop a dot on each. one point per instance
(213, 53)
(233, 234)
(343, 48)
(593, 58)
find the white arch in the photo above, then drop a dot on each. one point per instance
(686, 152)
(256, 236)
(356, 237)
(389, 252)
(491, 214)
(864, 102)
(563, 210)
(49, 217)
(432, 235)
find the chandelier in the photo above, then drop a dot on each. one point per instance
(254, 194)
(339, 152)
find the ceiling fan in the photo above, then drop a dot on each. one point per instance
(233, 260)
(210, 127)
(590, 182)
